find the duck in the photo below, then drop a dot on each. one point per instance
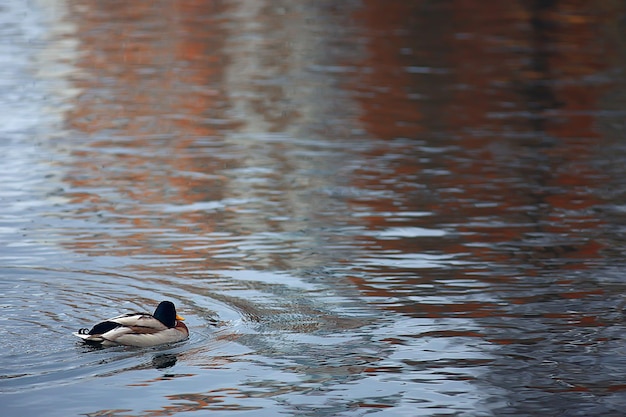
(138, 329)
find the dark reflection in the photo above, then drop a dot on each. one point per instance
(159, 361)
(165, 360)
(544, 32)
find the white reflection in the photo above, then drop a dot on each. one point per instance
(412, 260)
(37, 56)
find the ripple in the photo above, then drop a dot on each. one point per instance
(47, 305)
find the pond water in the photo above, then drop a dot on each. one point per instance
(365, 207)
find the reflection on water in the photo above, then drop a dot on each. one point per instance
(396, 208)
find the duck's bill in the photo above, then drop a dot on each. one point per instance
(181, 318)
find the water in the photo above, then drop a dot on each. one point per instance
(386, 208)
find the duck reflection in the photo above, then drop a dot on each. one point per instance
(164, 360)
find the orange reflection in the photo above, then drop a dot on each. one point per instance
(153, 75)
(505, 100)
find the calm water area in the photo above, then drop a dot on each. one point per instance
(361, 207)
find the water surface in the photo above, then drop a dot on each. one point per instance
(387, 208)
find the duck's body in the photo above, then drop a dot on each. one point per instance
(138, 329)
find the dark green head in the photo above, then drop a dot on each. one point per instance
(166, 313)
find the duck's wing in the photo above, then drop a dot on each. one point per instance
(139, 320)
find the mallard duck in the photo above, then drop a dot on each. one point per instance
(138, 329)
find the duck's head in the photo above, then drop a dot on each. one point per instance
(166, 314)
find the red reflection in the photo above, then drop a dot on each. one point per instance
(508, 95)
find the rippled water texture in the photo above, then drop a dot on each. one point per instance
(390, 208)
